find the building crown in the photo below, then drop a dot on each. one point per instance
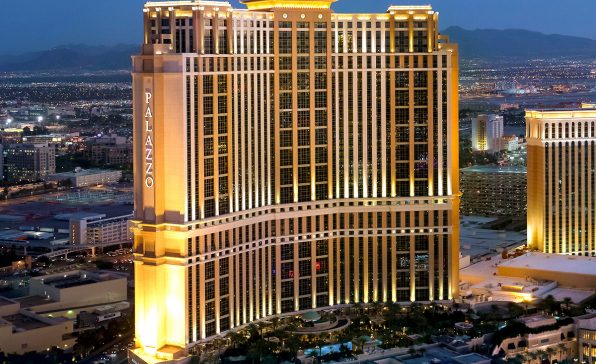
(287, 4)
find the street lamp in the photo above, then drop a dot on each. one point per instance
(39, 119)
(8, 121)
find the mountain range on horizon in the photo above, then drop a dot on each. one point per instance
(473, 44)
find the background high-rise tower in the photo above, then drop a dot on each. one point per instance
(288, 158)
(561, 164)
(487, 131)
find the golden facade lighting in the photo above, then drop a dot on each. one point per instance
(300, 159)
(561, 161)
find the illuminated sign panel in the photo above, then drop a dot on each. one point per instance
(149, 181)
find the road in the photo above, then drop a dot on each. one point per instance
(118, 358)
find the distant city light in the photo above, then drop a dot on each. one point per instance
(57, 117)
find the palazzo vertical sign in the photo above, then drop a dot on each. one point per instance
(148, 126)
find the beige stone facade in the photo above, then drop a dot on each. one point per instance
(561, 192)
(288, 158)
(22, 331)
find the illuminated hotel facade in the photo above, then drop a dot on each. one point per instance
(487, 131)
(561, 191)
(288, 158)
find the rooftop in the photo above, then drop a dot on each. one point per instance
(477, 241)
(83, 172)
(31, 301)
(22, 322)
(284, 4)
(537, 320)
(6, 302)
(561, 113)
(53, 211)
(431, 355)
(74, 279)
(577, 295)
(470, 358)
(83, 215)
(568, 264)
(186, 2)
(277, 4)
(587, 322)
(511, 289)
(495, 169)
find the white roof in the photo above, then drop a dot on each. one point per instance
(588, 324)
(568, 264)
(576, 295)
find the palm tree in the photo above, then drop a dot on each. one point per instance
(562, 349)
(275, 321)
(360, 341)
(376, 308)
(359, 308)
(236, 338)
(253, 330)
(541, 354)
(548, 304)
(550, 351)
(567, 301)
(293, 344)
(218, 343)
(532, 355)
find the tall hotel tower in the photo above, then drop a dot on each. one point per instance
(561, 180)
(289, 158)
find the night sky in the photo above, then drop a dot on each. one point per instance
(30, 25)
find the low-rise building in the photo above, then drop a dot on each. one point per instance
(527, 277)
(87, 177)
(510, 143)
(586, 336)
(546, 332)
(110, 150)
(74, 289)
(111, 155)
(568, 270)
(48, 138)
(28, 162)
(102, 314)
(100, 231)
(493, 191)
(22, 331)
